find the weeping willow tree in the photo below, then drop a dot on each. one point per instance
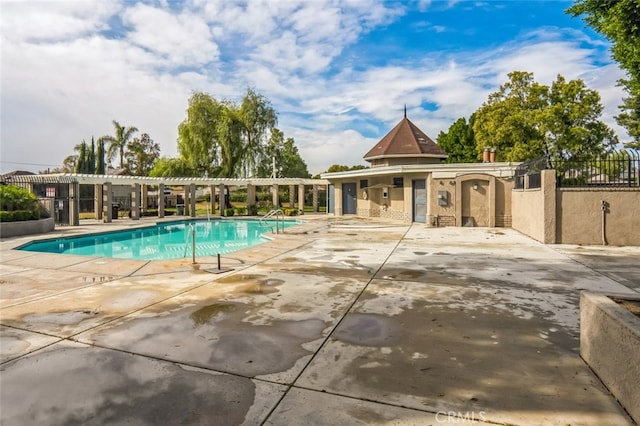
(220, 138)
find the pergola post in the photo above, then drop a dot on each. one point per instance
(275, 197)
(292, 196)
(192, 199)
(144, 195)
(74, 204)
(107, 202)
(301, 198)
(97, 201)
(212, 199)
(187, 203)
(251, 198)
(161, 198)
(135, 201)
(221, 202)
(315, 199)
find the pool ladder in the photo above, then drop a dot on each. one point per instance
(279, 214)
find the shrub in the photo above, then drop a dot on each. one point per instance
(240, 210)
(291, 212)
(252, 210)
(18, 204)
(229, 212)
(19, 215)
(16, 198)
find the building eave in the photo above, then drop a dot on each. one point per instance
(383, 156)
(438, 171)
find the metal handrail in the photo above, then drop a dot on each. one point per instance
(191, 233)
(278, 213)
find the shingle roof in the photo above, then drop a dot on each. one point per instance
(406, 139)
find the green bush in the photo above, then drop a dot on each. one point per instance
(291, 212)
(16, 198)
(17, 204)
(229, 212)
(252, 210)
(19, 215)
(240, 211)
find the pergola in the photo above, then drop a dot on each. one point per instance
(103, 190)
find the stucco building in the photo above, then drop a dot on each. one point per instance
(409, 181)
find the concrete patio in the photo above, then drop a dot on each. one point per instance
(338, 321)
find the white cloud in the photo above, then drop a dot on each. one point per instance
(62, 85)
(182, 38)
(59, 20)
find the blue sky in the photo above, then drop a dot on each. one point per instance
(338, 72)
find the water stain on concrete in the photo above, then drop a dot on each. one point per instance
(368, 330)
(93, 386)
(445, 355)
(207, 313)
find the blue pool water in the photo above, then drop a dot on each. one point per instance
(169, 240)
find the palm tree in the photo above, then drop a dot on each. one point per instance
(119, 142)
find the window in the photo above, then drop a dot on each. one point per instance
(398, 182)
(364, 183)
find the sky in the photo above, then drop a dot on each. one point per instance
(338, 73)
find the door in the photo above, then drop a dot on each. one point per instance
(419, 200)
(331, 194)
(348, 198)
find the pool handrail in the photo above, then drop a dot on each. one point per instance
(278, 214)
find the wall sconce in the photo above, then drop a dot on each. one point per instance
(475, 186)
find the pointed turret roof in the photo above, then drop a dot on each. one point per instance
(405, 140)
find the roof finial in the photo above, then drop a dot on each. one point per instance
(405, 110)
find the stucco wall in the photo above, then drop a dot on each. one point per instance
(441, 215)
(533, 210)
(26, 227)
(579, 216)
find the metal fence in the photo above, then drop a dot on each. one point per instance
(530, 169)
(617, 169)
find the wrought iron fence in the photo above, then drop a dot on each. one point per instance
(617, 169)
(530, 169)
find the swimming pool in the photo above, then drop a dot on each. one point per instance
(168, 240)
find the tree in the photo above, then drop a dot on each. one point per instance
(85, 159)
(629, 118)
(69, 164)
(199, 143)
(570, 122)
(257, 118)
(82, 154)
(222, 139)
(334, 168)
(525, 120)
(100, 164)
(91, 157)
(284, 155)
(141, 155)
(506, 121)
(619, 22)
(171, 167)
(118, 143)
(459, 141)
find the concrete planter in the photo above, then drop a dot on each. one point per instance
(610, 344)
(27, 227)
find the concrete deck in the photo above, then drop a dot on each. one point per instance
(339, 321)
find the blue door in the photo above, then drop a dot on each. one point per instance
(348, 198)
(419, 200)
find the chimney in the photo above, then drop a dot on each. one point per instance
(492, 155)
(485, 155)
